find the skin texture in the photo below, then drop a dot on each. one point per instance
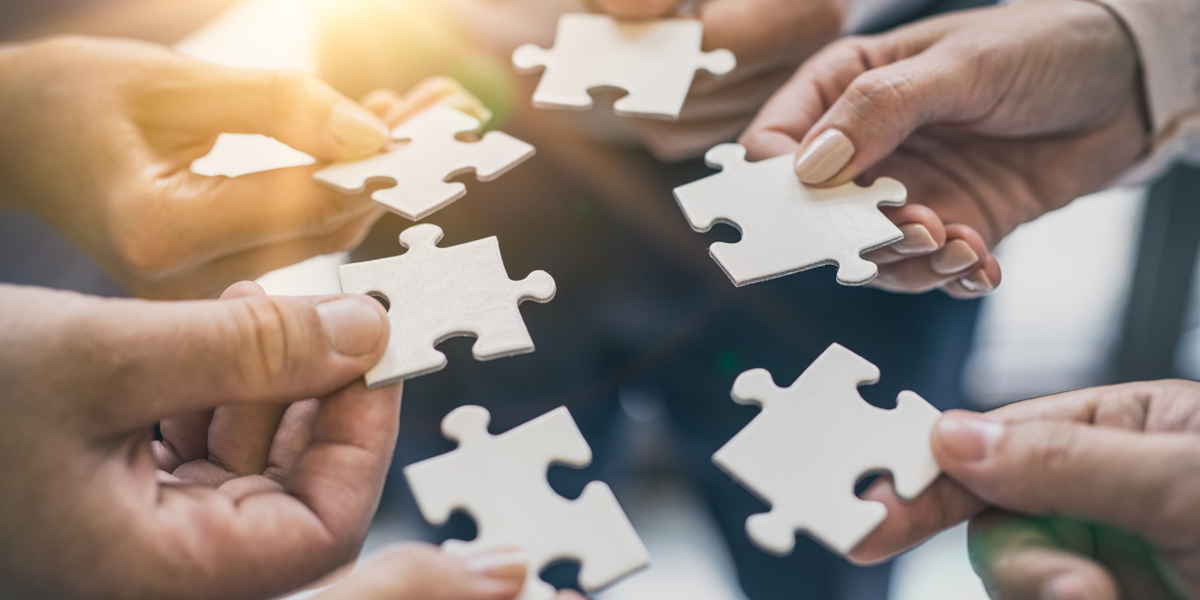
(769, 37)
(1092, 494)
(421, 572)
(101, 148)
(273, 453)
(990, 117)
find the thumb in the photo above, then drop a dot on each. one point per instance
(876, 113)
(1058, 468)
(292, 107)
(156, 359)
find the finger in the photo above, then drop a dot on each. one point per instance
(1137, 481)
(421, 572)
(380, 101)
(209, 279)
(638, 9)
(963, 253)
(1018, 558)
(291, 441)
(942, 506)
(142, 361)
(923, 232)
(270, 542)
(185, 438)
(795, 108)
(240, 437)
(217, 216)
(292, 107)
(980, 282)
(436, 90)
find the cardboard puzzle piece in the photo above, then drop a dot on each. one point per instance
(655, 61)
(427, 158)
(439, 293)
(812, 442)
(786, 226)
(500, 481)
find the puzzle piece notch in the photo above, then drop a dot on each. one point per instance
(439, 293)
(806, 450)
(654, 61)
(424, 157)
(500, 480)
(786, 226)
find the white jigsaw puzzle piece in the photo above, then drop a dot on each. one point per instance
(438, 293)
(500, 480)
(786, 226)
(812, 442)
(655, 61)
(424, 156)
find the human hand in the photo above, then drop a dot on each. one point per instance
(768, 37)
(1088, 494)
(991, 118)
(421, 572)
(254, 489)
(99, 136)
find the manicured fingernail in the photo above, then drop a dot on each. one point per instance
(978, 282)
(356, 129)
(497, 563)
(956, 256)
(917, 240)
(1065, 587)
(968, 437)
(824, 157)
(352, 324)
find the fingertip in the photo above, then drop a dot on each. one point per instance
(355, 325)
(243, 289)
(637, 9)
(356, 131)
(963, 438)
(824, 157)
(380, 101)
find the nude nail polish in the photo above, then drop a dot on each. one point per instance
(824, 157)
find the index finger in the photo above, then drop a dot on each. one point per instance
(941, 506)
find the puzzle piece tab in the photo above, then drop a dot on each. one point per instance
(655, 61)
(425, 156)
(786, 226)
(500, 480)
(813, 441)
(439, 293)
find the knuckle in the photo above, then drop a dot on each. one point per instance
(877, 94)
(261, 335)
(287, 90)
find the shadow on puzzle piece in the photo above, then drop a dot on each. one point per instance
(655, 61)
(438, 293)
(421, 167)
(813, 441)
(786, 226)
(500, 480)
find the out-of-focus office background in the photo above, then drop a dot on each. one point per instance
(1099, 292)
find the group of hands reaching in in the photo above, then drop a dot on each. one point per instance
(273, 452)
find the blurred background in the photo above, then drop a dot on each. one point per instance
(1099, 292)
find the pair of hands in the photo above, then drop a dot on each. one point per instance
(1085, 495)
(101, 149)
(991, 118)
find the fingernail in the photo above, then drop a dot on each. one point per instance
(956, 256)
(968, 437)
(978, 282)
(824, 157)
(917, 240)
(352, 324)
(1065, 587)
(497, 563)
(356, 129)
